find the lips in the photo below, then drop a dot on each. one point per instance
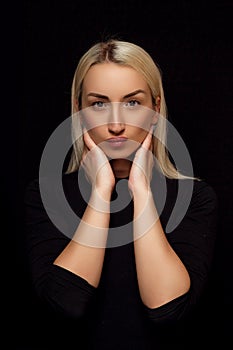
(117, 141)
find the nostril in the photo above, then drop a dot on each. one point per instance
(116, 133)
(116, 128)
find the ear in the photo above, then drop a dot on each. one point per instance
(76, 105)
(157, 104)
(157, 110)
(79, 111)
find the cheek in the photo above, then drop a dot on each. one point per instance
(96, 133)
(90, 123)
(141, 122)
(138, 133)
(94, 119)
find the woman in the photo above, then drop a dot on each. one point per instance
(122, 283)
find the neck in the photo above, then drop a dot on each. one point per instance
(121, 167)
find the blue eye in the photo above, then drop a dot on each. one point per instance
(99, 105)
(132, 103)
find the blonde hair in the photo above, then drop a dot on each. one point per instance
(126, 54)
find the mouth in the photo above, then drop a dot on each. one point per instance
(116, 141)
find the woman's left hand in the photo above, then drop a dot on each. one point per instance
(141, 169)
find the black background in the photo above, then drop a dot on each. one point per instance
(192, 43)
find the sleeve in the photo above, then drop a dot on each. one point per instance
(194, 242)
(66, 293)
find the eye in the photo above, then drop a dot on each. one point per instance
(99, 105)
(131, 103)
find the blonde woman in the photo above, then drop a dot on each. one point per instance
(123, 284)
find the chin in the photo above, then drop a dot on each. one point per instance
(120, 154)
(124, 150)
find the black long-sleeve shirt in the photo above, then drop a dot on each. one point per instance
(113, 313)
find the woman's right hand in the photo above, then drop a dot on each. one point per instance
(97, 168)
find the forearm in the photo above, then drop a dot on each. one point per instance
(84, 255)
(161, 274)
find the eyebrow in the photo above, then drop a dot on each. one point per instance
(133, 93)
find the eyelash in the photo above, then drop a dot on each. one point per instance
(95, 105)
(106, 104)
(137, 103)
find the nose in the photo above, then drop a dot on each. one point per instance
(116, 124)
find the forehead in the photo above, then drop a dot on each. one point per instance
(105, 78)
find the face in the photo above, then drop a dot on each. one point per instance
(117, 108)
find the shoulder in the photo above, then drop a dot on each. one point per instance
(198, 190)
(66, 179)
(189, 202)
(37, 187)
(204, 195)
(76, 186)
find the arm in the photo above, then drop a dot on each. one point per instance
(65, 272)
(161, 274)
(84, 255)
(193, 240)
(57, 288)
(169, 265)
(86, 260)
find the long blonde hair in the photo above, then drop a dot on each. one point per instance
(131, 55)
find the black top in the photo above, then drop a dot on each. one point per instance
(113, 316)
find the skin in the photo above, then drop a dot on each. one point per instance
(131, 114)
(161, 274)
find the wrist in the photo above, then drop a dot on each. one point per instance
(141, 193)
(141, 199)
(100, 200)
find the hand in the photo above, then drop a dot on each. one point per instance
(97, 167)
(141, 169)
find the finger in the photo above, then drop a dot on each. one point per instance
(85, 152)
(88, 140)
(147, 142)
